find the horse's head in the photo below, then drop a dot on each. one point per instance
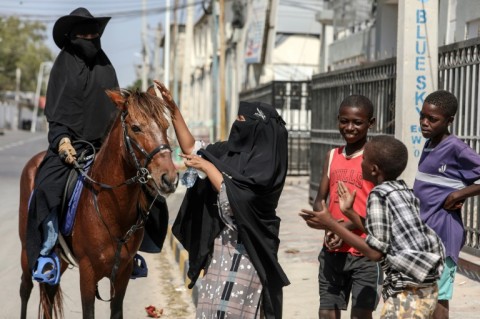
(144, 122)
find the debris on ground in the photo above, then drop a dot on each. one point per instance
(153, 312)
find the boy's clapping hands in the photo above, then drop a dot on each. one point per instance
(322, 219)
(346, 199)
(318, 220)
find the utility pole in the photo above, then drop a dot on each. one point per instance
(223, 119)
(40, 80)
(185, 92)
(174, 55)
(156, 53)
(18, 114)
(145, 51)
(214, 79)
(166, 46)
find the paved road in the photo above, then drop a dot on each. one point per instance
(163, 288)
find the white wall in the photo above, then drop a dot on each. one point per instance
(296, 58)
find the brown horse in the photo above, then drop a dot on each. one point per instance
(108, 228)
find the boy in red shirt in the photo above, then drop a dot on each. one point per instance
(343, 269)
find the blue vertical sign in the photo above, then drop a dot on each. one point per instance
(417, 69)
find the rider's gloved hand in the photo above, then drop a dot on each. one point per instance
(67, 151)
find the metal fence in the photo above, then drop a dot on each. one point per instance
(292, 101)
(310, 110)
(459, 73)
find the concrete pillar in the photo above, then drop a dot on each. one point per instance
(325, 18)
(417, 73)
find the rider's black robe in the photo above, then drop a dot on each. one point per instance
(76, 107)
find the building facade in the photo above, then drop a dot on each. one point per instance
(264, 41)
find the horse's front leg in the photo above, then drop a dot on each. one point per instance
(87, 290)
(120, 285)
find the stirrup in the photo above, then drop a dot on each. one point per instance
(140, 268)
(47, 269)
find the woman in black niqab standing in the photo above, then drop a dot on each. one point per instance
(227, 222)
(77, 108)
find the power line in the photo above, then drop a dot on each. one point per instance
(48, 18)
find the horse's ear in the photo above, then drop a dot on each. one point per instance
(117, 97)
(151, 90)
(154, 90)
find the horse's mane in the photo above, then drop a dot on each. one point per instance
(148, 107)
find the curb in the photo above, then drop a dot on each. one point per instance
(181, 257)
(468, 268)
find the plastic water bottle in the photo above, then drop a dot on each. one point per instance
(189, 177)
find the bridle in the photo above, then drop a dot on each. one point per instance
(143, 174)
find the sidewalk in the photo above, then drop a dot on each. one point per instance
(299, 248)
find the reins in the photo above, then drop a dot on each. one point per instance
(142, 218)
(142, 177)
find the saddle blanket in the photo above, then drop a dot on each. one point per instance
(68, 220)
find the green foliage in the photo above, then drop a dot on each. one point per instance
(22, 45)
(137, 85)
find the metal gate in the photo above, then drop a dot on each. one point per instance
(292, 101)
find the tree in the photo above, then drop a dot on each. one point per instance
(22, 45)
(137, 84)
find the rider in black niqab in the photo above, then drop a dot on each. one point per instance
(77, 108)
(76, 98)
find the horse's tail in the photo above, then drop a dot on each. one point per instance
(48, 308)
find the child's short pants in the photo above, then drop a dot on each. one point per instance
(445, 283)
(411, 303)
(341, 274)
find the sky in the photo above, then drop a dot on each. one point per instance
(122, 37)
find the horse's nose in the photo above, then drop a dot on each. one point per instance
(169, 184)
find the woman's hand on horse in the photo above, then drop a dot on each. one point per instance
(166, 95)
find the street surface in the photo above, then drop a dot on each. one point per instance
(164, 287)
